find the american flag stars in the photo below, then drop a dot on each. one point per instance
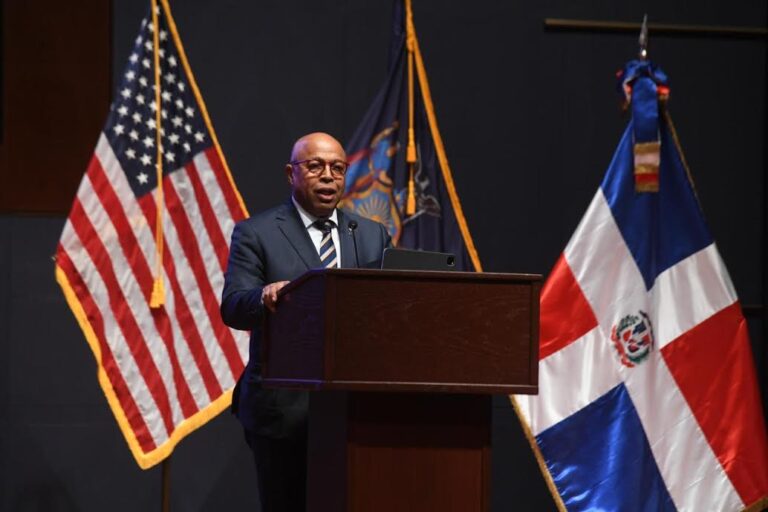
(132, 126)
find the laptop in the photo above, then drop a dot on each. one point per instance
(406, 259)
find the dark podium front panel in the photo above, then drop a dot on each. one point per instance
(379, 452)
(402, 365)
(409, 331)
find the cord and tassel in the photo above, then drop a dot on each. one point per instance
(157, 299)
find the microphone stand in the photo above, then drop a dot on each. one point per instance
(352, 226)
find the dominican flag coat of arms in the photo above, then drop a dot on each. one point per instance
(648, 391)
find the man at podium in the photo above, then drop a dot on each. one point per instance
(267, 251)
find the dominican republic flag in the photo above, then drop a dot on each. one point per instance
(648, 395)
(141, 260)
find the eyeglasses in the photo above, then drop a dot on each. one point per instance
(316, 166)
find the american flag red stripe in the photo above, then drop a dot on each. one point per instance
(126, 319)
(190, 332)
(91, 295)
(198, 262)
(138, 264)
(133, 312)
(123, 394)
(166, 370)
(132, 210)
(230, 194)
(188, 285)
(209, 217)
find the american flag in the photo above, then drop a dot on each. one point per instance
(165, 370)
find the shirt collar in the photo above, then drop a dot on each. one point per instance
(308, 219)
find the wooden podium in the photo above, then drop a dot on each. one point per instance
(404, 365)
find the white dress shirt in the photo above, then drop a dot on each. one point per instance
(314, 232)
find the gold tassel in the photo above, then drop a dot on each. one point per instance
(410, 207)
(158, 293)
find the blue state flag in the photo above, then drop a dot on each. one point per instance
(399, 174)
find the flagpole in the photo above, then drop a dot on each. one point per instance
(643, 55)
(165, 493)
(764, 298)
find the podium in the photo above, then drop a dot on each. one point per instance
(402, 366)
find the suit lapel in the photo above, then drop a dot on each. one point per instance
(347, 244)
(289, 222)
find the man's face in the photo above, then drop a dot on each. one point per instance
(320, 191)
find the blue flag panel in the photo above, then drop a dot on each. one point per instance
(600, 459)
(662, 228)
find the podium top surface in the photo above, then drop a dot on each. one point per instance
(410, 274)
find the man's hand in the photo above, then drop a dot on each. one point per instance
(269, 294)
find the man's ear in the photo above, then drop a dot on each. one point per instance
(289, 173)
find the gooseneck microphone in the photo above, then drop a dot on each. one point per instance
(352, 226)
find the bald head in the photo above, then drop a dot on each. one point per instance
(310, 142)
(317, 191)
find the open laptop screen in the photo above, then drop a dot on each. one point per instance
(406, 259)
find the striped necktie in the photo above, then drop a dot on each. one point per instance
(327, 250)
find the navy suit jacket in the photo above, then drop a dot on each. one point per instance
(275, 246)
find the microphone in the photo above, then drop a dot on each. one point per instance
(352, 226)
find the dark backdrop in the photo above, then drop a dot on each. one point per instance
(529, 118)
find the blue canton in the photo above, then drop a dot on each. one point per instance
(132, 127)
